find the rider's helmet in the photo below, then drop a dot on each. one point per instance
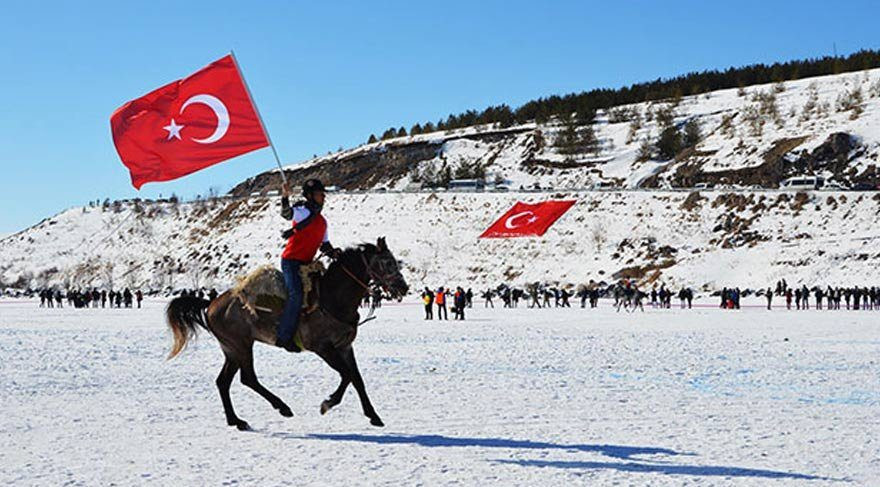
(312, 185)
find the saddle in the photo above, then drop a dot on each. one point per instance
(263, 290)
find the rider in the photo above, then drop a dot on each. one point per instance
(307, 235)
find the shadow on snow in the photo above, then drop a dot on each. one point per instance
(614, 451)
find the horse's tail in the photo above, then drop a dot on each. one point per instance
(184, 314)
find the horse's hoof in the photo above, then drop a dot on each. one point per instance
(377, 422)
(242, 426)
(286, 412)
(325, 406)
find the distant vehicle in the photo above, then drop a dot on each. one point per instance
(700, 186)
(273, 192)
(865, 187)
(603, 185)
(331, 189)
(466, 185)
(381, 189)
(836, 185)
(803, 182)
(500, 188)
(755, 187)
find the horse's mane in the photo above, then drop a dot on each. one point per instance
(351, 254)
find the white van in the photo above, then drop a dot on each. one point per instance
(803, 182)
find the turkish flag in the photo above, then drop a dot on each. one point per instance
(526, 219)
(187, 125)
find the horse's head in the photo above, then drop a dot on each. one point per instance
(385, 270)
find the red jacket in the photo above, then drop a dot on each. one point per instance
(303, 244)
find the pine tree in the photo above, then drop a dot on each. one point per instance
(567, 140)
(692, 134)
(587, 140)
(428, 128)
(373, 139)
(669, 143)
(401, 132)
(415, 130)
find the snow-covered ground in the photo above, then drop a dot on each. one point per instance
(509, 397)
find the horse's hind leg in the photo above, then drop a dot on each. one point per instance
(224, 380)
(249, 378)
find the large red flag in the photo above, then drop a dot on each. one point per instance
(527, 219)
(187, 125)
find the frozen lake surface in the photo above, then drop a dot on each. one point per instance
(509, 397)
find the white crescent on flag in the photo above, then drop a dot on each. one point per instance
(220, 112)
(509, 222)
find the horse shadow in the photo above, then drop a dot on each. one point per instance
(620, 452)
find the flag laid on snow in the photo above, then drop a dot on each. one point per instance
(524, 220)
(187, 125)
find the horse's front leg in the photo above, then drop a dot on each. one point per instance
(336, 397)
(358, 383)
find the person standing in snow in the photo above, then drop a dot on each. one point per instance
(769, 296)
(428, 299)
(487, 299)
(440, 299)
(139, 296)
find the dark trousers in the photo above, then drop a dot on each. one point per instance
(429, 311)
(442, 314)
(290, 315)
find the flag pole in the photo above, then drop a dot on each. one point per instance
(259, 117)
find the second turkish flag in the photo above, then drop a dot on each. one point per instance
(187, 125)
(526, 219)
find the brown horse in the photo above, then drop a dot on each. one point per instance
(328, 332)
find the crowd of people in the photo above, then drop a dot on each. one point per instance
(94, 298)
(628, 295)
(829, 298)
(90, 298)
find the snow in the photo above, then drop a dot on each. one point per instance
(828, 240)
(509, 397)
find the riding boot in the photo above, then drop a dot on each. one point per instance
(290, 346)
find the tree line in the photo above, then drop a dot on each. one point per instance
(583, 105)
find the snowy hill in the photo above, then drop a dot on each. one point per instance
(756, 136)
(706, 240)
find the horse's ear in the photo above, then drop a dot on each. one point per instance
(381, 244)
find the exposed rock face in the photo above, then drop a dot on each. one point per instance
(364, 169)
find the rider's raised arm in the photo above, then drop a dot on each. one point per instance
(286, 210)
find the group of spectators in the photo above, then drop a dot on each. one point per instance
(90, 298)
(461, 299)
(830, 298)
(94, 298)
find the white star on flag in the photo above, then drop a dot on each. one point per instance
(173, 130)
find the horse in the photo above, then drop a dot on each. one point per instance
(327, 331)
(628, 298)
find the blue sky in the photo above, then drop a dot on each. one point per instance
(327, 74)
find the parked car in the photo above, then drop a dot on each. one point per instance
(703, 186)
(803, 182)
(836, 185)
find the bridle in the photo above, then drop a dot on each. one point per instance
(381, 279)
